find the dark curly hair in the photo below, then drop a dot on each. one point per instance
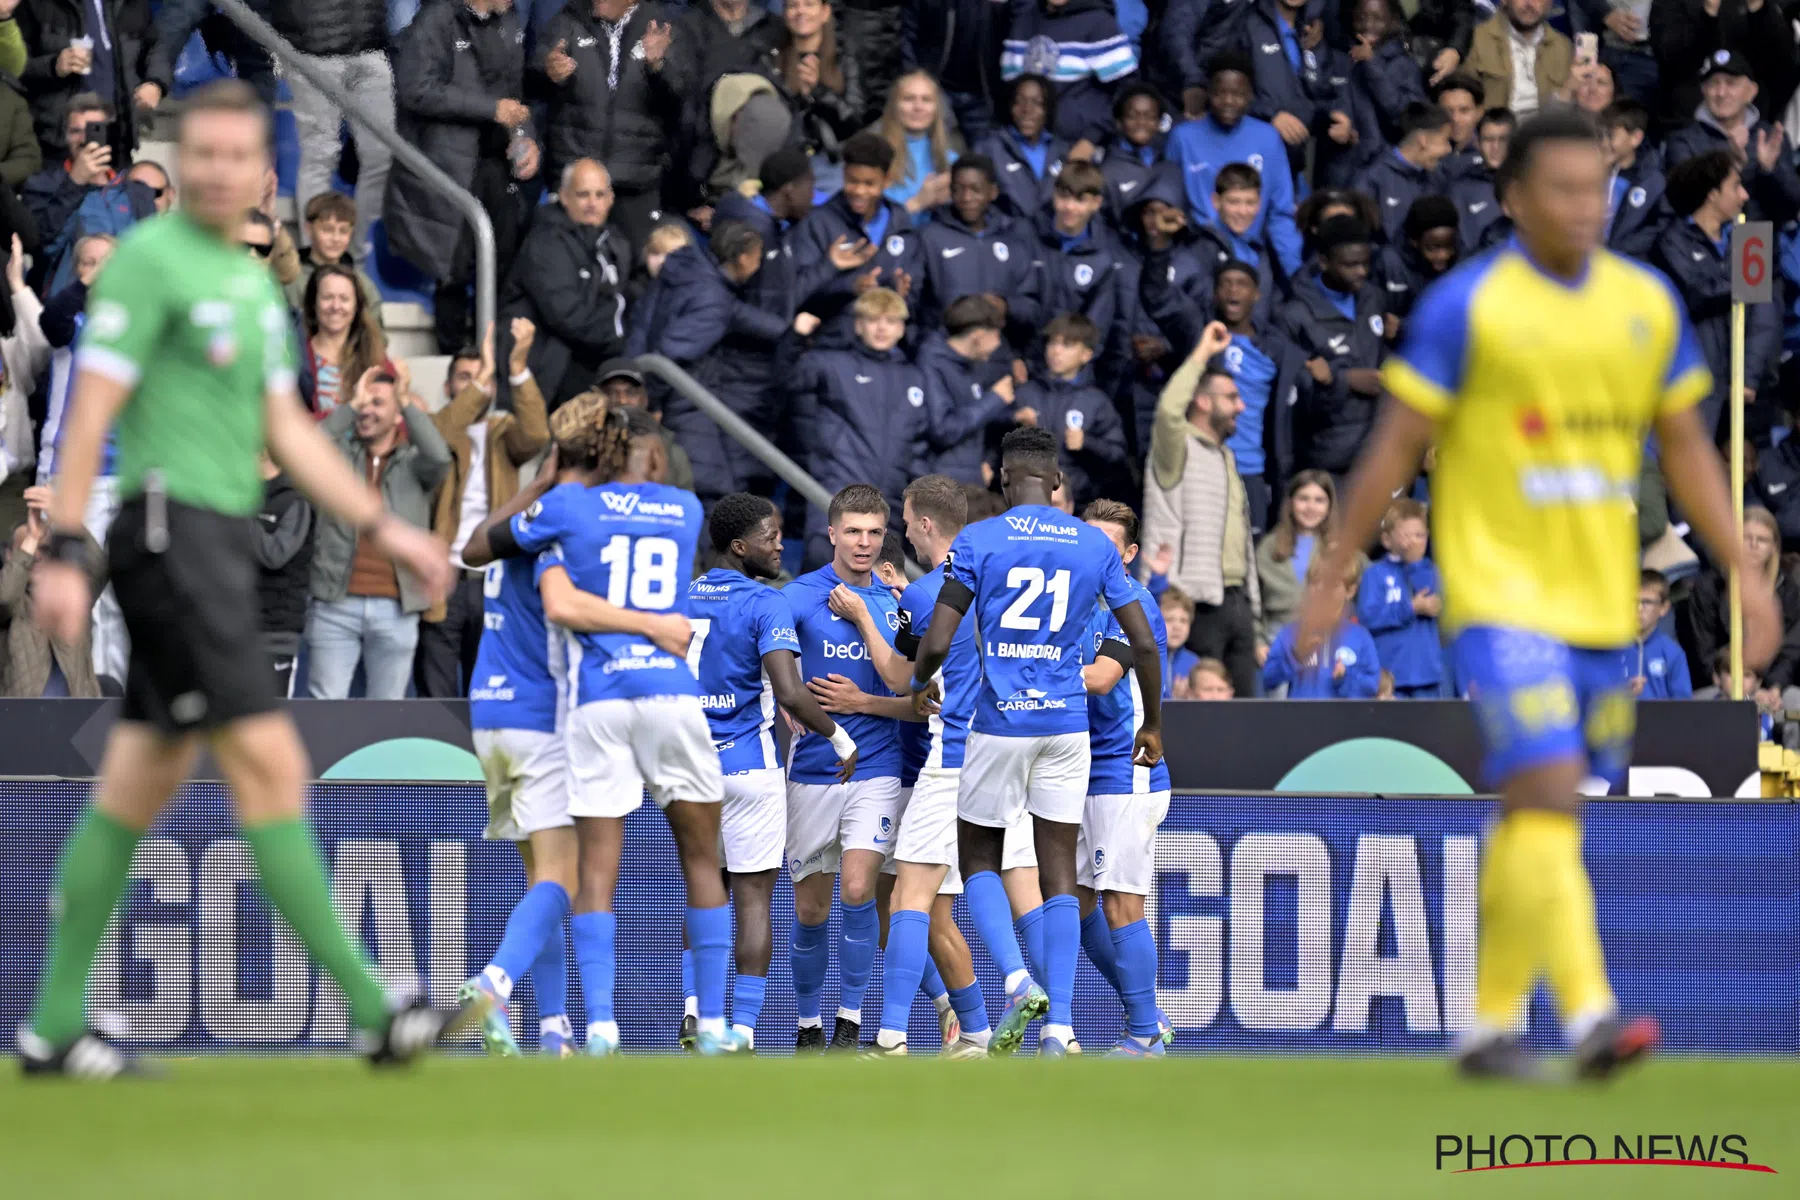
(735, 516)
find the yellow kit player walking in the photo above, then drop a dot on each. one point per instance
(1539, 370)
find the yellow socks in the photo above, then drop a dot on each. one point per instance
(1537, 912)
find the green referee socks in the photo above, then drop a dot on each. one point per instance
(293, 878)
(96, 862)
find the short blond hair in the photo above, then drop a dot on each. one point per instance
(1352, 570)
(880, 302)
(666, 239)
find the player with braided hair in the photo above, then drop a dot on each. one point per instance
(517, 709)
(746, 654)
(635, 719)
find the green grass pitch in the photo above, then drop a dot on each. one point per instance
(1225, 1127)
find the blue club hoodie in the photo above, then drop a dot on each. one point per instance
(1202, 147)
(1396, 183)
(1349, 644)
(829, 293)
(964, 413)
(962, 262)
(1409, 644)
(1662, 663)
(1102, 466)
(1640, 206)
(1023, 191)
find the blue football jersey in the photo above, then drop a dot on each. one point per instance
(830, 645)
(633, 545)
(736, 621)
(1115, 718)
(519, 680)
(1036, 573)
(959, 679)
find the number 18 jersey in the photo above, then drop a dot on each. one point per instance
(1035, 573)
(633, 545)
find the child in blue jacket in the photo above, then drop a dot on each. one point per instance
(1656, 664)
(1347, 667)
(1399, 602)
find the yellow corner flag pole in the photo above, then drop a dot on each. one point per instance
(1737, 491)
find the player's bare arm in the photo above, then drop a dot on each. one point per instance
(61, 594)
(837, 694)
(1697, 480)
(322, 474)
(569, 606)
(1388, 463)
(1102, 675)
(783, 670)
(1146, 660)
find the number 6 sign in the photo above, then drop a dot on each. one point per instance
(1751, 279)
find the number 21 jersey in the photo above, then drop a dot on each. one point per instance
(633, 545)
(1036, 574)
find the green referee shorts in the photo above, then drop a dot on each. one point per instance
(186, 582)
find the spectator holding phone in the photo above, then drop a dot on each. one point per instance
(105, 49)
(83, 164)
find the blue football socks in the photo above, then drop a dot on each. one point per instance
(992, 915)
(537, 915)
(856, 957)
(593, 934)
(931, 984)
(1136, 948)
(747, 1000)
(807, 956)
(1097, 940)
(550, 976)
(1031, 940)
(688, 1005)
(1062, 942)
(904, 963)
(971, 1009)
(709, 934)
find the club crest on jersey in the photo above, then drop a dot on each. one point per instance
(1084, 275)
(1375, 325)
(896, 245)
(893, 620)
(1256, 160)
(1001, 253)
(1075, 418)
(1234, 358)
(915, 396)
(1636, 197)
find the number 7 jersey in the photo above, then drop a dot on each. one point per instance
(1036, 574)
(633, 545)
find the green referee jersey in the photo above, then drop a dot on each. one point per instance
(199, 332)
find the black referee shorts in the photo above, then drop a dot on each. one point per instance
(185, 579)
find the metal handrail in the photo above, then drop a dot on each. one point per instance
(785, 468)
(261, 32)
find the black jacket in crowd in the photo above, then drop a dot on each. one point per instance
(826, 118)
(1332, 422)
(1643, 211)
(451, 68)
(1701, 272)
(284, 552)
(959, 42)
(626, 128)
(960, 262)
(698, 317)
(965, 414)
(827, 292)
(49, 26)
(568, 280)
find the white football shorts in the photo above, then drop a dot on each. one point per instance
(753, 821)
(826, 819)
(1006, 777)
(617, 748)
(1116, 850)
(527, 782)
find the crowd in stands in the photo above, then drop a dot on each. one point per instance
(1182, 234)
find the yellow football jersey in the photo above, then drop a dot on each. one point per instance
(1544, 393)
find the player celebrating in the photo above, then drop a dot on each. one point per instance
(517, 711)
(636, 720)
(1116, 858)
(744, 652)
(1031, 575)
(187, 346)
(842, 828)
(926, 880)
(1537, 370)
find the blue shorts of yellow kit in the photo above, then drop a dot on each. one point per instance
(1539, 700)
